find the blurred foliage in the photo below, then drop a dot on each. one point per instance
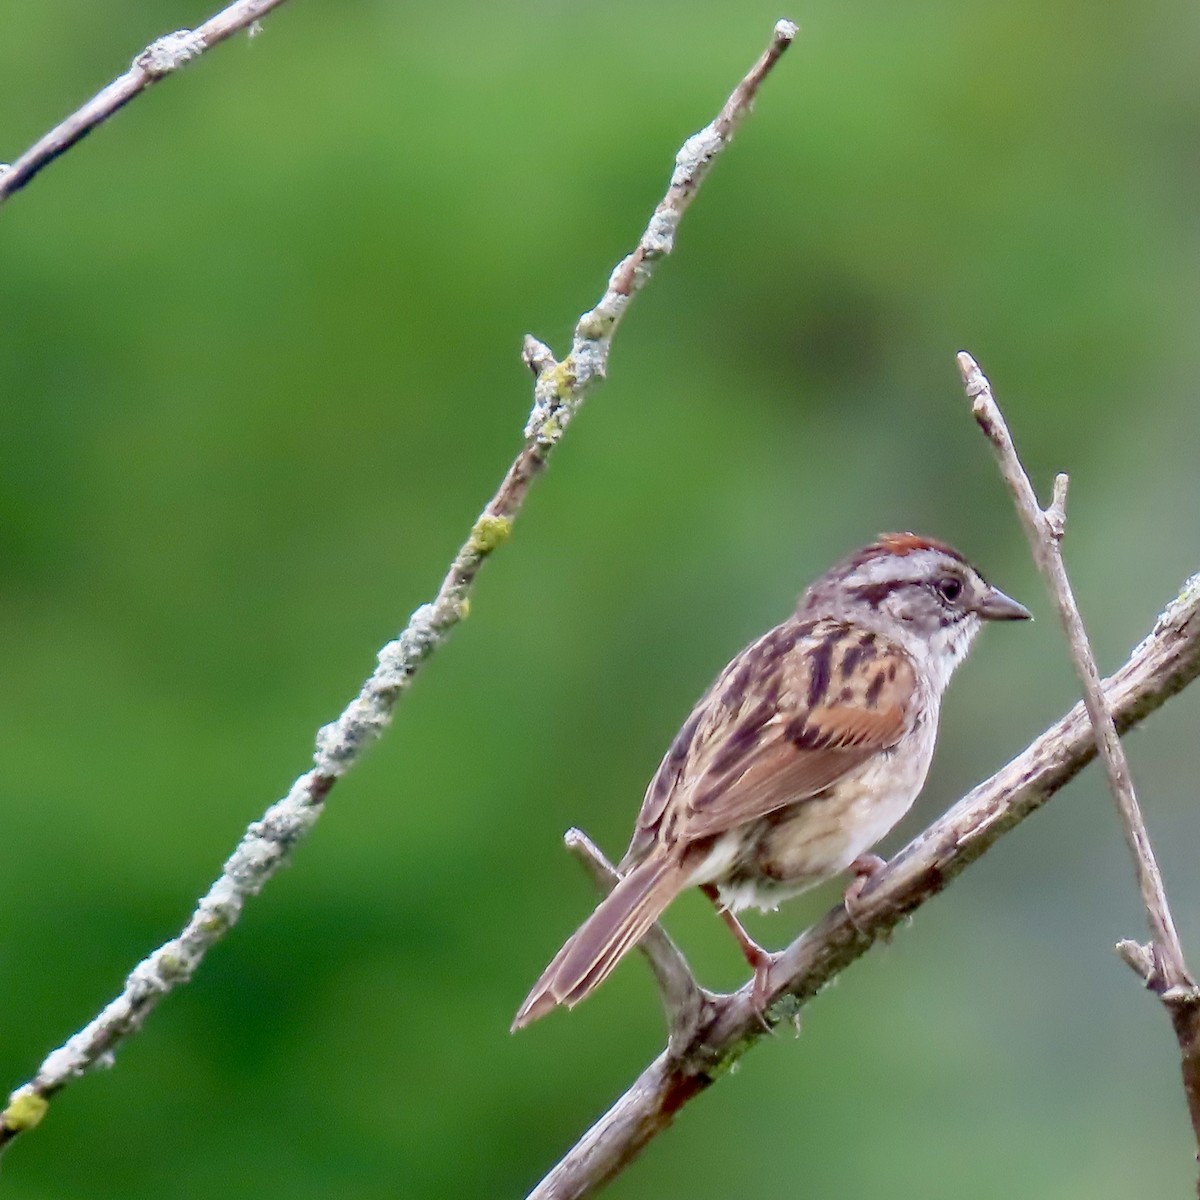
(260, 338)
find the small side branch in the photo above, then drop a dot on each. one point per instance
(160, 59)
(685, 1003)
(1161, 964)
(559, 390)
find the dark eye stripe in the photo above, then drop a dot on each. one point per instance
(876, 593)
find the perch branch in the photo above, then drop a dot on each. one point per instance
(1165, 662)
(157, 61)
(1160, 965)
(559, 390)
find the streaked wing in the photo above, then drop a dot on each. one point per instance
(727, 705)
(789, 717)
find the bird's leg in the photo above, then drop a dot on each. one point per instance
(864, 868)
(761, 961)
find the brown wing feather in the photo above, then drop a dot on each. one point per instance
(789, 717)
(711, 723)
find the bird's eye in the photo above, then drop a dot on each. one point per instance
(949, 588)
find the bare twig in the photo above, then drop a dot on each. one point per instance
(685, 1003)
(1045, 531)
(559, 390)
(1161, 965)
(156, 62)
(1165, 662)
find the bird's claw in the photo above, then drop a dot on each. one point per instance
(864, 869)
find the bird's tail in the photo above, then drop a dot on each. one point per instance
(595, 948)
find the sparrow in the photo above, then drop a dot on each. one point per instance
(807, 749)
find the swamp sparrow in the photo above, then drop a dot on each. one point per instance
(811, 744)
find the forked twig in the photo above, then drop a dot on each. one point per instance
(1161, 964)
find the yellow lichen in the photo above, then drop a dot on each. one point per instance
(25, 1109)
(490, 532)
(562, 378)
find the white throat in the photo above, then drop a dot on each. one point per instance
(941, 652)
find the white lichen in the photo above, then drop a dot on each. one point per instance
(169, 53)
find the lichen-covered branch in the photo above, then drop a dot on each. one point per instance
(1165, 662)
(559, 390)
(155, 62)
(562, 386)
(1161, 964)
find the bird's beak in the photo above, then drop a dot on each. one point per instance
(994, 605)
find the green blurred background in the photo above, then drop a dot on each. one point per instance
(260, 343)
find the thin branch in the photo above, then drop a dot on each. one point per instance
(157, 61)
(564, 386)
(1161, 966)
(1165, 662)
(684, 1001)
(1044, 531)
(559, 390)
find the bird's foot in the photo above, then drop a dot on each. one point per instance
(864, 869)
(760, 993)
(761, 961)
